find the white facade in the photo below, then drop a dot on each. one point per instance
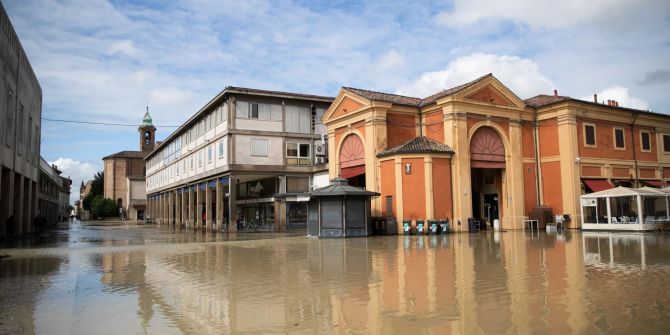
(242, 135)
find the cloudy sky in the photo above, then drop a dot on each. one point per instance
(100, 60)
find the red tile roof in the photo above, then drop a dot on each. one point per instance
(412, 101)
(543, 99)
(421, 144)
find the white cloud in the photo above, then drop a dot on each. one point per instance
(77, 171)
(390, 60)
(520, 75)
(170, 97)
(548, 13)
(620, 94)
(124, 47)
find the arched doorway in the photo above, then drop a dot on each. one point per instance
(487, 163)
(352, 160)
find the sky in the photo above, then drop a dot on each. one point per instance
(103, 61)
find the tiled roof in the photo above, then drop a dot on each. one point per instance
(126, 154)
(412, 101)
(268, 92)
(340, 186)
(431, 99)
(386, 97)
(543, 99)
(421, 144)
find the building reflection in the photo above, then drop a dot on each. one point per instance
(488, 283)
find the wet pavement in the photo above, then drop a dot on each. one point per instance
(129, 279)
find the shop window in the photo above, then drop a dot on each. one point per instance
(619, 139)
(590, 135)
(645, 141)
(297, 153)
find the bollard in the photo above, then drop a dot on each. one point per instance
(420, 228)
(407, 227)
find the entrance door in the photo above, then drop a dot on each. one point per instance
(491, 207)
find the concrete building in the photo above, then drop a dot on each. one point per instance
(64, 198)
(49, 194)
(230, 162)
(479, 151)
(20, 115)
(125, 173)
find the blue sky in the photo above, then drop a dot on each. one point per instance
(101, 61)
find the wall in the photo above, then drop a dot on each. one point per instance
(388, 186)
(442, 190)
(400, 128)
(243, 151)
(413, 189)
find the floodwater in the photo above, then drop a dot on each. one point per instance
(147, 279)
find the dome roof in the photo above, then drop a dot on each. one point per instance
(147, 121)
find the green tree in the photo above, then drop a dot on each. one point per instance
(102, 207)
(98, 184)
(88, 201)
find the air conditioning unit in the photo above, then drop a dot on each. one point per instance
(320, 149)
(320, 160)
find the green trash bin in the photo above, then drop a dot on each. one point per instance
(420, 227)
(432, 227)
(407, 227)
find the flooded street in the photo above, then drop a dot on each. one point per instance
(148, 279)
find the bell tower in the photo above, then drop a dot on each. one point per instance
(147, 133)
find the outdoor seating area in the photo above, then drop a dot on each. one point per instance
(627, 209)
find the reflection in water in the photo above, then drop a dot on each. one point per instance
(184, 282)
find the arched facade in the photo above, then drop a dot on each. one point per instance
(351, 156)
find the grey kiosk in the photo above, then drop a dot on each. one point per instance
(339, 210)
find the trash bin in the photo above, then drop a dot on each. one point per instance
(444, 226)
(420, 227)
(472, 226)
(406, 227)
(432, 227)
(391, 226)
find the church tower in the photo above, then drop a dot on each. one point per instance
(147, 133)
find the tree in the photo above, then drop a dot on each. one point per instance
(88, 201)
(102, 207)
(98, 184)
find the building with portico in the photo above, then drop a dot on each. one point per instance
(479, 151)
(241, 162)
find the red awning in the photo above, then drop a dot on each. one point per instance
(597, 185)
(654, 183)
(353, 171)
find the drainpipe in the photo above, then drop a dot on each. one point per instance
(632, 133)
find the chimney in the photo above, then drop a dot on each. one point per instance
(595, 98)
(555, 93)
(609, 102)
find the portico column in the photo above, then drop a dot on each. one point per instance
(170, 208)
(184, 204)
(190, 222)
(456, 136)
(198, 200)
(166, 218)
(514, 175)
(177, 211)
(232, 188)
(219, 205)
(208, 207)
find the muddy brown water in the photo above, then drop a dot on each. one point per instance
(145, 279)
